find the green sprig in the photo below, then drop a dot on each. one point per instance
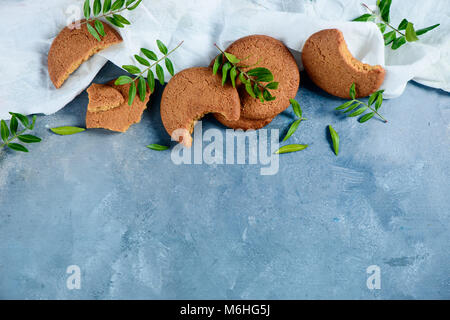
(258, 81)
(139, 74)
(9, 134)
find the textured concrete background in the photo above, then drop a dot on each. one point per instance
(141, 227)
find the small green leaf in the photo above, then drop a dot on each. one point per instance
(4, 131)
(23, 119)
(258, 92)
(382, 27)
(335, 139)
(114, 22)
(17, 147)
(97, 7)
(226, 67)
(149, 54)
(141, 60)
(151, 80)
(268, 96)
(262, 74)
(389, 37)
(106, 6)
(291, 148)
(292, 129)
(33, 122)
(243, 79)
(366, 117)
(232, 58)
(135, 5)
(272, 85)
(217, 63)
(357, 112)
(131, 93)
(352, 107)
(161, 47)
(365, 17)
(249, 89)
(92, 31)
(233, 74)
(403, 24)
(123, 80)
(425, 30)
(121, 19)
(129, 2)
(296, 107)
(411, 35)
(157, 147)
(169, 66)
(65, 131)
(13, 125)
(132, 69)
(117, 5)
(398, 43)
(28, 138)
(87, 9)
(385, 6)
(99, 27)
(378, 102)
(142, 86)
(352, 91)
(344, 105)
(373, 97)
(160, 74)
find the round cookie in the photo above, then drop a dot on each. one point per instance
(74, 45)
(191, 94)
(331, 66)
(243, 123)
(274, 55)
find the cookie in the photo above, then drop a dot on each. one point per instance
(243, 123)
(265, 51)
(103, 97)
(191, 94)
(119, 118)
(74, 45)
(331, 66)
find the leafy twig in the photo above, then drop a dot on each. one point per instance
(110, 13)
(252, 79)
(10, 134)
(141, 87)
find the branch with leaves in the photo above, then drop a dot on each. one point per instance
(9, 134)
(359, 107)
(253, 79)
(139, 74)
(405, 31)
(110, 12)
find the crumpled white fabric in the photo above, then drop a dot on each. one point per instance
(28, 28)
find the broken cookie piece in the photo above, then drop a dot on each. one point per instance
(103, 97)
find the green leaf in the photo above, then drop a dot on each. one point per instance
(87, 9)
(268, 96)
(121, 19)
(106, 6)
(4, 131)
(425, 30)
(226, 67)
(403, 24)
(149, 54)
(169, 66)
(373, 97)
(296, 107)
(352, 107)
(366, 117)
(17, 147)
(411, 35)
(28, 138)
(99, 27)
(93, 31)
(160, 74)
(23, 119)
(385, 6)
(365, 17)
(389, 37)
(132, 69)
(129, 2)
(262, 74)
(13, 125)
(142, 86)
(232, 58)
(272, 85)
(352, 91)
(291, 148)
(123, 80)
(161, 47)
(233, 74)
(117, 5)
(344, 105)
(398, 43)
(378, 102)
(335, 139)
(217, 63)
(249, 89)
(65, 131)
(157, 147)
(33, 122)
(382, 27)
(131, 93)
(97, 7)
(114, 22)
(292, 129)
(151, 80)
(243, 79)
(135, 5)
(357, 112)
(258, 92)
(141, 60)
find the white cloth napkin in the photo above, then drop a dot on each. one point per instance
(28, 28)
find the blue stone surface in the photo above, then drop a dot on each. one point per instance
(139, 226)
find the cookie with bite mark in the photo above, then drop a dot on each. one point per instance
(103, 97)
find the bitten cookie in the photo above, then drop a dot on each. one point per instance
(265, 51)
(191, 94)
(103, 97)
(72, 46)
(331, 66)
(243, 123)
(119, 118)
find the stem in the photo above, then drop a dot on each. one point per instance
(375, 111)
(385, 22)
